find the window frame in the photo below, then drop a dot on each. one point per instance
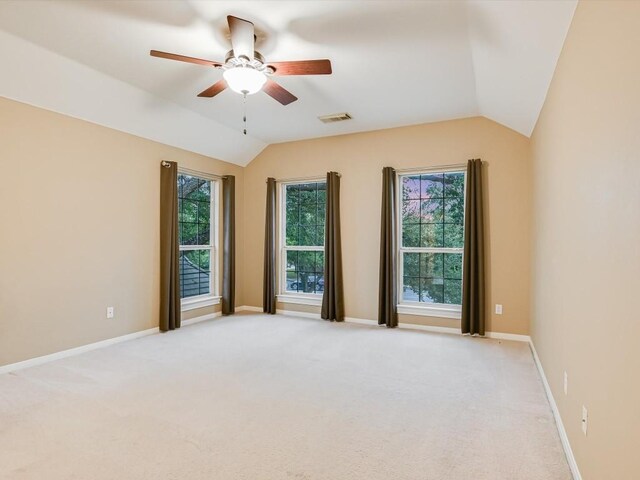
(284, 295)
(407, 307)
(213, 297)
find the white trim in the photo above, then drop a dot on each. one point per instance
(248, 308)
(413, 326)
(293, 313)
(571, 460)
(201, 318)
(32, 362)
(301, 299)
(431, 310)
(508, 336)
(193, 303)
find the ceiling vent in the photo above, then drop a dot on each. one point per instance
(336, 117)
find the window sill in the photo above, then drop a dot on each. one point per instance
(198, 302)
(441, 311)
(311, 299)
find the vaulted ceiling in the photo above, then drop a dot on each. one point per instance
(394, 63)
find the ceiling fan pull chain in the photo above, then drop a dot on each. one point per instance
(244, 112)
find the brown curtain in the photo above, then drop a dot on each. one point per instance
(228, 244)
(473, 288)
(332, 297)
(388, 290)
(269, 281)
(169, 248)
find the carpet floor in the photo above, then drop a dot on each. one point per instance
(271, 397)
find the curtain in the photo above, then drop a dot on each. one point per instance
(269, 282)
(169, 248)
(388, 289)
(332, 297)
(228, 244)
(473, 287)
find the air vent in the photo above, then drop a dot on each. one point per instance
(336, 117)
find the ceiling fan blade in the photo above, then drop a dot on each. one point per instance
(182, 58)
(302, 67)
(214, 89)
(285, 97)
(242, 37)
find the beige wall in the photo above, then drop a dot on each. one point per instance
(360, 158)
(79, 222)
(586, 160)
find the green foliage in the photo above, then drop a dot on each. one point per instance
(433, 217)
(194, 216)
(305, 210)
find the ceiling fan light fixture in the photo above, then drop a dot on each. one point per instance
(245, 80)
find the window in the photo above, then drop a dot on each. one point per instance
(302, 240)
(431, 243)
(197, 223)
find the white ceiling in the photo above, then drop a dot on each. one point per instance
(394, 63)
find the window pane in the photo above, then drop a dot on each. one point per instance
(411, 264)
(411, 187)
(453, 292)
(189, 212)
(431, 211)
(188, 233)
(305, 271)
(308, 214)
(431, 290)
(305, 214)
(306, 261)
(431, 265)
(411, 235)
(411, 289)
(195, 273)
(204, 235)
(308, 193)
(307, 235)
(454, 210)
(431, 235)
(453, 266)
(292, 234)
(410, 211)
(322, 193)
(319, 262)
(292, 281)
(431, 185)
(453, 235)
(319, 235)
(454, 184)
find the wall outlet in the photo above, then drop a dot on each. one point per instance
(585, 419)
(110, 312)
(498, 309)
(566, 383)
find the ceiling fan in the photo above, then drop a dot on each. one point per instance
(245, 70)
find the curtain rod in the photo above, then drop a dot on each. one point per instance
(195, 173)
(455, 166)
(300, 179)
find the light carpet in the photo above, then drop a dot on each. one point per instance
(273, 397)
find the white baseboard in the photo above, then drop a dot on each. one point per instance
(248, 308)
(571, 460)
(32, 362)
(413, 326)
(201, 318)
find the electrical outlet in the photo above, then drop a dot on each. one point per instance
(498, 309)
(566, 383)
(585, 419)
(110, 312)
